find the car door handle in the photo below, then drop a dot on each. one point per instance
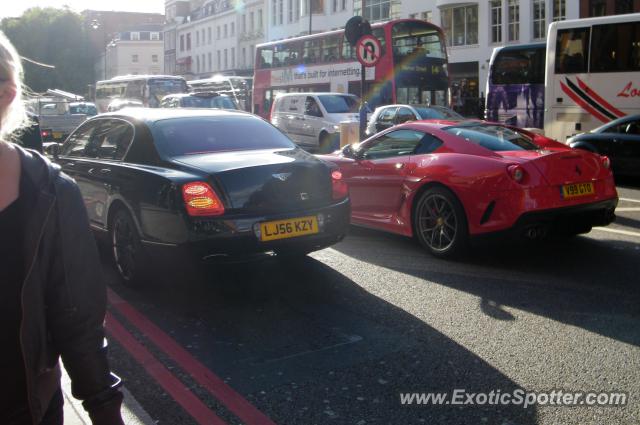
(99, 171)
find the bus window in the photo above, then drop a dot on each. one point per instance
(286, 54)
(348, 52)
(265, 56)
(330, 51)
(615, 47)
(410, 39)
(312, 51)
(519, 67)
(571, 51)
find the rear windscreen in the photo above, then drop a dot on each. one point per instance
(493, 137)
(196, 135)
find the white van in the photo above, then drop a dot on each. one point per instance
(312, 120)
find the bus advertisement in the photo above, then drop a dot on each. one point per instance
(515, 85)
(412, 68)
(592, 73)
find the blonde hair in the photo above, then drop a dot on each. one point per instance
(11, 73)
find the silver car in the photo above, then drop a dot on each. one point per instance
(389, 115)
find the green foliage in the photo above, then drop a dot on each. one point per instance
(56, 37)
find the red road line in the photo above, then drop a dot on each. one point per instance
(172, 385)
(200, 373)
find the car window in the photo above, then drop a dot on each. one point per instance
(434, 113)
(339, 104)
(633, 128)
(394, 143)
(387, 116)
(311, 107)
(493, 137)
(112, 139)
(196, 135)
(428, 144)
(76, 144)
(404, 115)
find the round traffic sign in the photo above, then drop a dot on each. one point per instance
(368, 50)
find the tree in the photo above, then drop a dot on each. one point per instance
(56, 37)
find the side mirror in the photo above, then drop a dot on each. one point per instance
(52, 150)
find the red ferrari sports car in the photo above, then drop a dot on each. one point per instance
(444, 182)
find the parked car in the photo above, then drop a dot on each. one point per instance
(445, 182)
(387, 116)
(206, 99)
(216, 184)
(117, 104)
(618, 139)
(312, 120)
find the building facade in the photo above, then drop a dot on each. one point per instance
(135, 52)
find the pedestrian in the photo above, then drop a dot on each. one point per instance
(52, 301)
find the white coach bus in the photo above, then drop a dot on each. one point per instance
(593, 73)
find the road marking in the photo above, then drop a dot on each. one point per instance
(172, 385)
(621, 232)
(629, 200)
(200, 373)
(627, 209)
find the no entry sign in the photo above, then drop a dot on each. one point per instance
(368, 50)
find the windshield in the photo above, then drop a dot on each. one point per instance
(494, 137)
(337, 104)
(219, 102)
(196, 135)
(159, 88)
(436, 113)
(83, 108)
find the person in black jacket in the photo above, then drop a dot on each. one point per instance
(53, 299)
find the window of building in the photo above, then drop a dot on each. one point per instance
(559, 10)
(233, 29)
(155, 36)
(290, 11)
(296, 13)
(624, 6)
(134, 58)
(218, 33)
(244, 23)
(374, 10)
(226, 31)
(188, 41)
(135, 36)
(496, 21)
(427, 16)
(274, 12)
(280, 11)
(251, 55)
(203, 63)
(413, 15)
(597, 7)
(209, 61)
(197, 63)
(197, 38)
(202, 37)
(334, 6)
(244, 57)
(219, 61)
(251, 26)
(539, 19)
(343, 4)
(154, 58)
(514, 20)
(233, 57)
(226, 59)
(460, 24)
(209, 35)
(182, 42)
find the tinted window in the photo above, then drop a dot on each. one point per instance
(519, 67)
(616, 47)
(404, 115)
(335, 104)
(394, 143)
(387, 115)
(572, 54)
(428, 144)
(493, 137)
(111, 140)
(76, 144)
(436, 113)
(191, 136)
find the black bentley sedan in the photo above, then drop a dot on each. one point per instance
(216, 184)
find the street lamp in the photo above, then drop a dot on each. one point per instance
(95, 24)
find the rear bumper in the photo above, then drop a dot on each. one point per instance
(228, 240)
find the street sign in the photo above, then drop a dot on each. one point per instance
(368, 50)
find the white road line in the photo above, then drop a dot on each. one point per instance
(629, 200)
(627, 209)
(621, 232)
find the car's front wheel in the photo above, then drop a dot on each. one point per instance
(440, 223)
(126, 248)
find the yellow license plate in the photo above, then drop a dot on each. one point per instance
(57, 135)
(577, 189)
(291, 228)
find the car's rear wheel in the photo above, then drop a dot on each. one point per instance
(127, 249)
(440, 223)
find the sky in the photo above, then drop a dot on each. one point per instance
(15, 8)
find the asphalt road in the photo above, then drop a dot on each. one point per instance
(335, 338)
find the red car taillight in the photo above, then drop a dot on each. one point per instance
(45, 133)
(339, 186)
(606, 162)
(201, 200)
(516, 172)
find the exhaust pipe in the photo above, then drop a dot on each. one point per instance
(536, 232)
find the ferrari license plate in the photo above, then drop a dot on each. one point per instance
(577, 189)
(57, 135)
(291, 228)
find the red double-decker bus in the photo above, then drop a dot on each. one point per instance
(412, 68)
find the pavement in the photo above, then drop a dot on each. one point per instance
(74, 413)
